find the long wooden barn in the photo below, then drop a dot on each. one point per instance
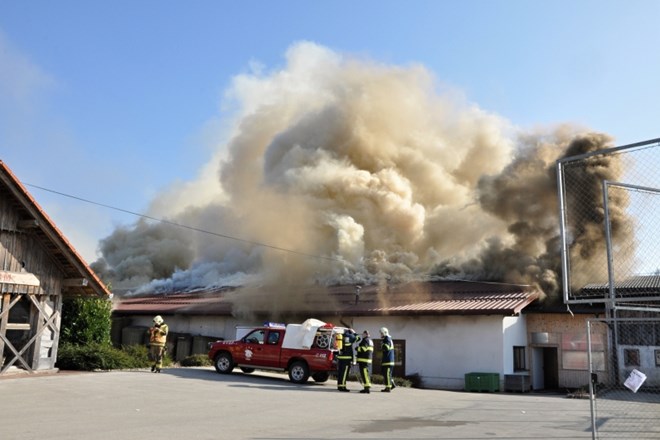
(39, 267)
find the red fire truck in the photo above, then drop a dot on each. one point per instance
(303, 350)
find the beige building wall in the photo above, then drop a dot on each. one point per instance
(566, 335)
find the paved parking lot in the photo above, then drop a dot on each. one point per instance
(198, 403)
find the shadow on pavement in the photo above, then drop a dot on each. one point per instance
(262, 379)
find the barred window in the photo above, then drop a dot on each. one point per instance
(631, 357)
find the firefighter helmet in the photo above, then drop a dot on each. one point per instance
(158, 320)
(384, 331)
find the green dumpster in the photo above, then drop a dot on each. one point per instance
(478, 382)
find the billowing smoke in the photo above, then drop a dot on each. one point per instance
(524, 196)
(344, 170)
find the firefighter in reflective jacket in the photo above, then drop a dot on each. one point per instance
(157, 339)
(387, 364)
(365, 351)
(345, 358)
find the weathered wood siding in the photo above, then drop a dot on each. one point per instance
(21, 251)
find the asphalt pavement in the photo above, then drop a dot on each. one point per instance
(198, 403)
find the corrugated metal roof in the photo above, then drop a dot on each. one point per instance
(430, 298)
(508, 304)
(202, 302)
(639, 285)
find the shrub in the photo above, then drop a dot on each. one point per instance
(139, 355)
(196, 360)
(90, 357)
(104, 357)
(378, 379)
(86, 321)
(415, 380)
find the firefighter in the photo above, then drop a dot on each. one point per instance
(387, 365)
(345, 358)
(365, 351)
(157, 338)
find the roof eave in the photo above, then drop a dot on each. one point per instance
(46, 224)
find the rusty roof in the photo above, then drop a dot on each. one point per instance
(202, 302)
(421, 298)
(66, 257)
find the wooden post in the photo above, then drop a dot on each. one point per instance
(4, 317)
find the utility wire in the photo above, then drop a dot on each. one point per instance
(192, 228)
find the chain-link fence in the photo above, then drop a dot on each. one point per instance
(610, 220)
(625, 387)
(610, 206)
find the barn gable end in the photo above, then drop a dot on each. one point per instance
(38, 268)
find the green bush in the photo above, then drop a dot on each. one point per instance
(93, 356)
(139, 355)
(86, 321)
(196, 360)
(104, 357)
(378, 379)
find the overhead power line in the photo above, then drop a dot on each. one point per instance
(192, 228)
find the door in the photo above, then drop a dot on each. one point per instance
(263, 348)
(537, 369)
(399, 358)
(550, 368)
(545, 368)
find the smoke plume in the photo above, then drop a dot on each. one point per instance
(344, 170)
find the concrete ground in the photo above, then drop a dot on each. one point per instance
(198, 403)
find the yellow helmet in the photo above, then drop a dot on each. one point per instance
(158, 320)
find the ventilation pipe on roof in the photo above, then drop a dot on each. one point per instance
(357, 294)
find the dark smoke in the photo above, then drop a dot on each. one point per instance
(525, 197)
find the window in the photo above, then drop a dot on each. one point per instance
(256, 337)
(273, 338)
(519, 359)
(631, 357)
(575, 351)
(399, 357)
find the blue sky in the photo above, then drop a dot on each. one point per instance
(114, 101)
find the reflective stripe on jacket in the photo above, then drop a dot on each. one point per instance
(346, 352)
(387, 345)
(365, 350)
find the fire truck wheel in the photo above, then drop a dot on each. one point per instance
(299, 372)
(321, 377)
(223, 363)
